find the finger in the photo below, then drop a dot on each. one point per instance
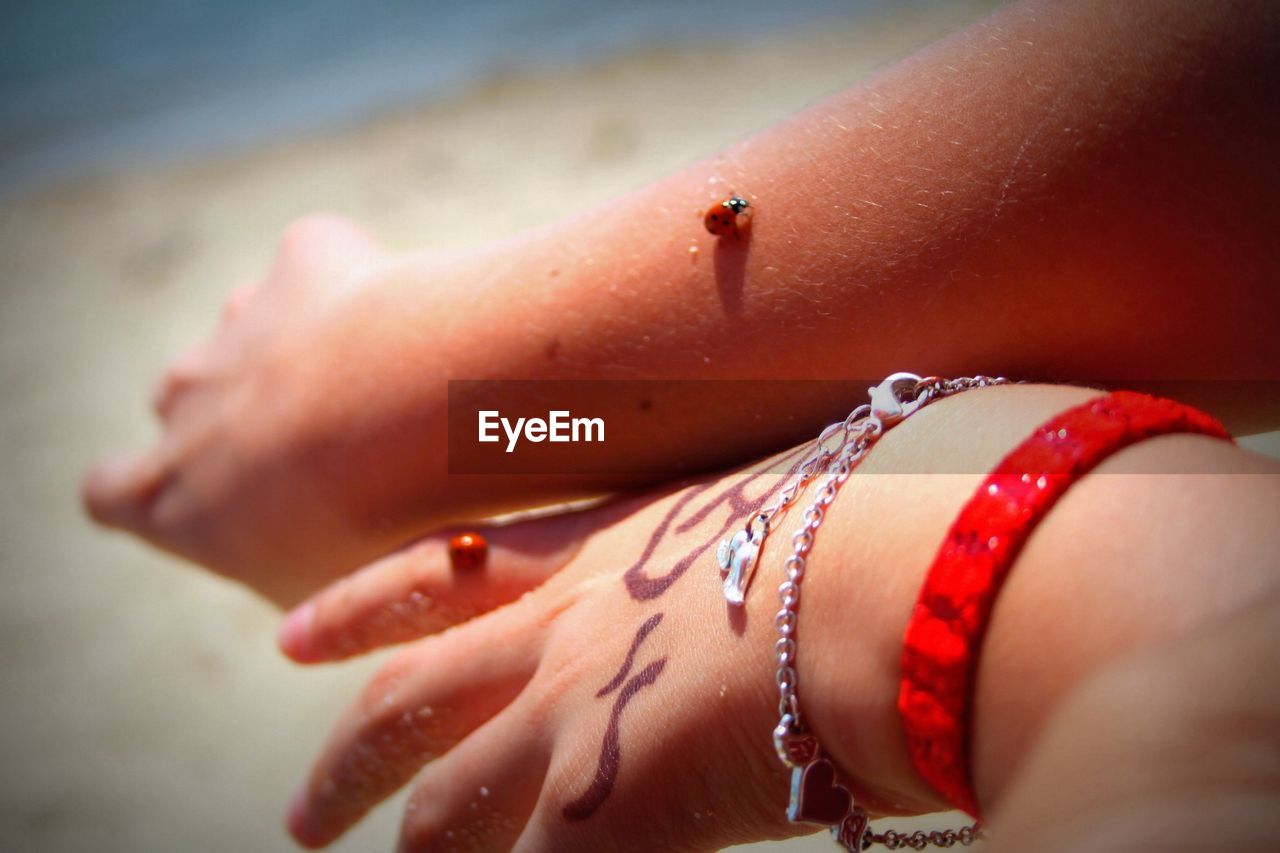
(188, 369)
(169, 389)
(417, 591)
(237, 301)
(119, 491)
(183, 374)
(479, 795)
(322, 241)
(589, 777)
(423, 702)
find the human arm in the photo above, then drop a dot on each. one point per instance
(1164, 539)
(1174, 747)
(1066, 189)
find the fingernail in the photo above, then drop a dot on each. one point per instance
(295, 631)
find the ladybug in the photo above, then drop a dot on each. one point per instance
(728, 217)
(467, 551)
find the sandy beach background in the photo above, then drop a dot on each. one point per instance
(144, 707)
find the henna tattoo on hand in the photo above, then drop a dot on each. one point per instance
(640, 586)
(645, 630)
(611, 749)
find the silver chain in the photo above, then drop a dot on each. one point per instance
(820, 456)
(920, 839)
(893, 400)
(809, 467)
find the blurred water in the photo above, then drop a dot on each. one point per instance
(89, 85)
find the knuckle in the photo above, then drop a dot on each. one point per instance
(237, 301)
(184, 373)
(558, 677)
(418, 832)
(172, 385)
(424, 827)
(306, 232)
(435, 821)
(188, 367)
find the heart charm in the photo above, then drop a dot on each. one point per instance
(852, 833)
(816, 797)
(737, 557)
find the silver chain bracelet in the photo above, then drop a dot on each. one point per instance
(816, 794)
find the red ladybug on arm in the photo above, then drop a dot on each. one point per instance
(728, 217)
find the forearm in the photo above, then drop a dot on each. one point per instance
(1122, 563)
(1173, 747)
(1081, 189)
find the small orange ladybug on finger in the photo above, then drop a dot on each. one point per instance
(730, 217)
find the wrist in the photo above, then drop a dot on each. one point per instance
(867, 566)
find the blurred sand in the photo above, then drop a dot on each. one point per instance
(144, 706)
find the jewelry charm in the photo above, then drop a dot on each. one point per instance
(737, 556)
(816, 793)
(793, 748)
(816, 796)
(852, 833)
(896, 397)
(944, 635)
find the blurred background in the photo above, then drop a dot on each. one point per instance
(149, 155)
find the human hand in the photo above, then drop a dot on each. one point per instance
(235, 481)
(621, 696)
(306, 436)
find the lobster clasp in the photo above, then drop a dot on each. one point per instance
(894, 398)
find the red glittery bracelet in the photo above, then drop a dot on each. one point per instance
(944, 636)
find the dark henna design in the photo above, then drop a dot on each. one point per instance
(611, 750)
(645, 630)
(644, 588)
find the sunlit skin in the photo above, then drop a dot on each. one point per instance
(527, 700)
(1080, 189)
(1070, 189)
